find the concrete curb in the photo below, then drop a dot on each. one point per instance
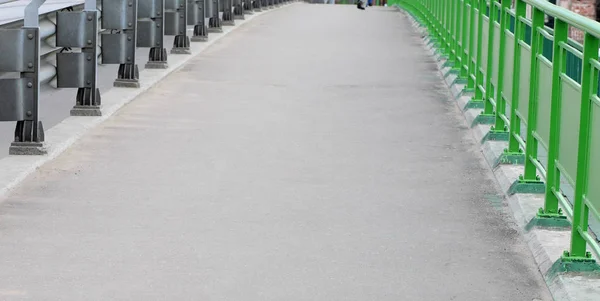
(546, 245)
(60, 137)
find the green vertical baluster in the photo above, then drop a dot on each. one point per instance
(464, 49)
(487, 116)
(439, 38)
(530, 182)
(551, 212)
(580, 210)
(514, 155)
(477, 100)
(455, 35)
(472, 69)
(446, 29)
(499, 131)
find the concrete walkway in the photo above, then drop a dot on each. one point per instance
(311, 155)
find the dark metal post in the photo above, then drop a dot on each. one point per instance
(248, 7)
(118, 44)
(257, 5)
(151, 32)
(228, 13)
(79, 69)
(176, 25)
(238, 9)
(214, 23)
(19, 96)
(197, 17)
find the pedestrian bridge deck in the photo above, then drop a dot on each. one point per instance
(312, 154)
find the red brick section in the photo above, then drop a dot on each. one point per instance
(585, 8)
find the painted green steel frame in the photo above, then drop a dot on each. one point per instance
(456, 31)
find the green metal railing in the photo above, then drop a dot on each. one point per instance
(539, 92)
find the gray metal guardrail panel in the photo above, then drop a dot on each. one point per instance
(13, 11)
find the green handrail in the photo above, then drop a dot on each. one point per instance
(538, 90)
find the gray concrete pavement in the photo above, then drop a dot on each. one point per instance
(306, 156)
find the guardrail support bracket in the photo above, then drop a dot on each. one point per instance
(176, 25)
(118, 46)
(214, 23)
(19, 96)
(151, 32)
(228, 13)
(79, 69)
(196, 17)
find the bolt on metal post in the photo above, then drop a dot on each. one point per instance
(197, 18)
(19, 96)
(79, 29)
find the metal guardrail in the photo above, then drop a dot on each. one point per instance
(65, 43)
(539, 91)
(48, 48)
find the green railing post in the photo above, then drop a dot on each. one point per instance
(438, 26)
(530, 181)
(445, 28)
(472, 70)
(456, 35)
(543, 87)
(488, 108)
(464, 38)
(499, 130)
(551, 209)
(478, 97)
(513, 154)
(580, 210)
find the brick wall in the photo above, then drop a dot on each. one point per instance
(583, 7)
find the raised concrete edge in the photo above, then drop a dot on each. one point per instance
(546, 245)
(60, 137)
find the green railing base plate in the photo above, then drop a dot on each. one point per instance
(449, 63)
(524, 186)
(474, 104)
(494, 135)
(460, 81)
(431, 40)
(549, 221)
(450, 71)
(568, 264)
(483, 119)
(510, 158)
(440, 55)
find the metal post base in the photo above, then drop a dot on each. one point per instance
(248, 7)
(238, 13)
(25, 143)
(86, 111)
(128, 76)
(214, 25)
(181, 45)
(27, 149)
(86, 105)
(228, 19)
(200, 33)
(157, 58)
